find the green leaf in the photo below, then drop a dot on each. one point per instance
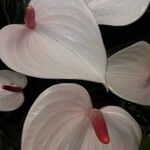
(145, 145)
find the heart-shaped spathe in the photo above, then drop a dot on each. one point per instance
(117, 12)
(62, 118)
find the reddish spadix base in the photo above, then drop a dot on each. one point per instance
(12, 88)
(99, 125)
(29, 17)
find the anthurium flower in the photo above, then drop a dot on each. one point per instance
(11, 87)
(62, 118)
(61, 40)
(117, 12)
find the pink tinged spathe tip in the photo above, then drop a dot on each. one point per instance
(98, 122)
(29, 17)
(12, 88)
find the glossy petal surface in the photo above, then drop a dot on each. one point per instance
(128, 73)
(59, 120)
(123, 130)
(117, 12)
(66, 43)
(11, 100)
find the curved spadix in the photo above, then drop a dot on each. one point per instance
(11, 90)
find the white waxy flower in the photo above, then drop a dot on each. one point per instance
(61, 40)
(11, 87)
(117, 12)
(62, 118)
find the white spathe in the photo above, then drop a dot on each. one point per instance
(11, 100)
(117, 12)
(66, 43)
(58, 120)
(128, 73)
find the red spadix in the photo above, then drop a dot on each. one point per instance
(98, 122)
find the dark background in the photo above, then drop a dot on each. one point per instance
(115, 38)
